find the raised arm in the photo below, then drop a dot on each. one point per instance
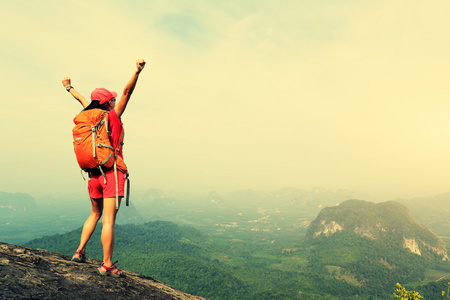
(129, 88)
(73, 92)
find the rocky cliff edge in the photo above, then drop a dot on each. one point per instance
(27, 273)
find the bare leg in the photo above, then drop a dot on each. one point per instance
(91, 223)
(109, 219)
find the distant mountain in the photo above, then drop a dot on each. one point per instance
(433, 211)
(155, 197)
(129, 214)
(315, 198)
(16, 202)
(373, 245)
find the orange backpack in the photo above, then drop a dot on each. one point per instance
(93, 148)
(91, 140)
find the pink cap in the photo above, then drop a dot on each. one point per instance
(102, 95)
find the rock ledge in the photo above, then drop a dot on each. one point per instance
(27, 273)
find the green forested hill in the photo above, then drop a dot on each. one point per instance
(388, 224)
(373, 245)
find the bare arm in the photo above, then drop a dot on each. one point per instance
(74, 93)
(129, 88)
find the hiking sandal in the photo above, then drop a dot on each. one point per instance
(110, 271)
(79, 257)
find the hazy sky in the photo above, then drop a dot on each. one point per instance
(235, 94)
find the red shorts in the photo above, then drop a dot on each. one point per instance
(98, 188)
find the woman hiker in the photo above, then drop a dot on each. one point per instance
(103, 196)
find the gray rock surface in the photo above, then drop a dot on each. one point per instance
(27, 273)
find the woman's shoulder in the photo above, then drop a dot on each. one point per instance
(113, 118)
(113, 115)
